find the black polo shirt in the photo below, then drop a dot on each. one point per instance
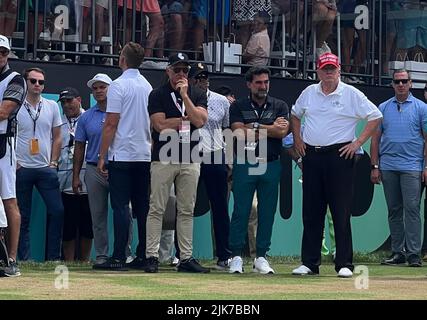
(160, 100)
(247, 111)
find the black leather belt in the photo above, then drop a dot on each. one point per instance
(322, 149)
(92, 163)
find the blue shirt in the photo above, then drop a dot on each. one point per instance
(89, 128)
(402, 141)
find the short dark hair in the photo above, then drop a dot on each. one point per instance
(401, 71)
(133, 54)
(255, 71)
(27, 71)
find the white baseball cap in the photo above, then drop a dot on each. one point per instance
(100, 77)
(4, 42)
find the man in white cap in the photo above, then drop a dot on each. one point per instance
(89, 130)
(12, 94)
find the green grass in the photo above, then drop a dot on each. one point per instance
(38, 282)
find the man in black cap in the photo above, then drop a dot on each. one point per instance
(176, 111)
(37, 153)
(77, 215)
(213, 169)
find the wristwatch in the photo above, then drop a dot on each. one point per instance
(255, 125)
(54, 163)
(374, 166)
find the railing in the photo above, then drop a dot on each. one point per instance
(361, 33)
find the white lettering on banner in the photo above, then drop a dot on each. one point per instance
(362, 20)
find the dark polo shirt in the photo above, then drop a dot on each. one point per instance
(160, 100)
(246, 111)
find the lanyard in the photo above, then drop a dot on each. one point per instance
(181, 109)
(34, 118)
(256, 111)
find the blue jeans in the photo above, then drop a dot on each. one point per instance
(402, 190)
(46, 181)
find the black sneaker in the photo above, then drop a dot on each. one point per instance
(191, 265)
(394, 260)
(138, 263)
(111, 264)
(12, 270)
(152, 265)
(414, 261)
(223, 265)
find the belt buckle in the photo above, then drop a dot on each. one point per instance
(317, 148)
(261, 160)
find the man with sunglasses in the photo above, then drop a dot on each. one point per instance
(176, 110)
(37, 152)
(398, 155)
(77, 215)
(12, 94)
(213, 169)
(331, 110)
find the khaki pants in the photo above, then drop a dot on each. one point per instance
(185, 177)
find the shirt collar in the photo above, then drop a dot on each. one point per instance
(409, 99)
(130, 72)
(338, 91)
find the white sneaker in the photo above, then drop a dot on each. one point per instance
(236, 265)
(175, 261)
(302, 270)
(262, 266)
(345, 273)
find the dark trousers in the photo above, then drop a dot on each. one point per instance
(214, 176)
(327, 180)
(46, 181)
(129, 182)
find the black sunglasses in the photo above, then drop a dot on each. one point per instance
(34, 81)
(201, 76)
(4, 53)
(179, 69)
(404, 81)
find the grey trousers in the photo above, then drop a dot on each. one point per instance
(402, 190)
(98, 190)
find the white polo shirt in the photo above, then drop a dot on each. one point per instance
(331, 119)
(48, 119)
(128, 96)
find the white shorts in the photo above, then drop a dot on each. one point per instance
(8, 175)
(3, 219)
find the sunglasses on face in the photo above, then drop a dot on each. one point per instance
(179, 69)
(4, 53)
(403, 81)
(203, 76)
(34, 81)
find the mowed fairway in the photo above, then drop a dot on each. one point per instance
(39, 281)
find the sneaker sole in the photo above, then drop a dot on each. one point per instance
(18, 274)
(255, 270)
(344, 277)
